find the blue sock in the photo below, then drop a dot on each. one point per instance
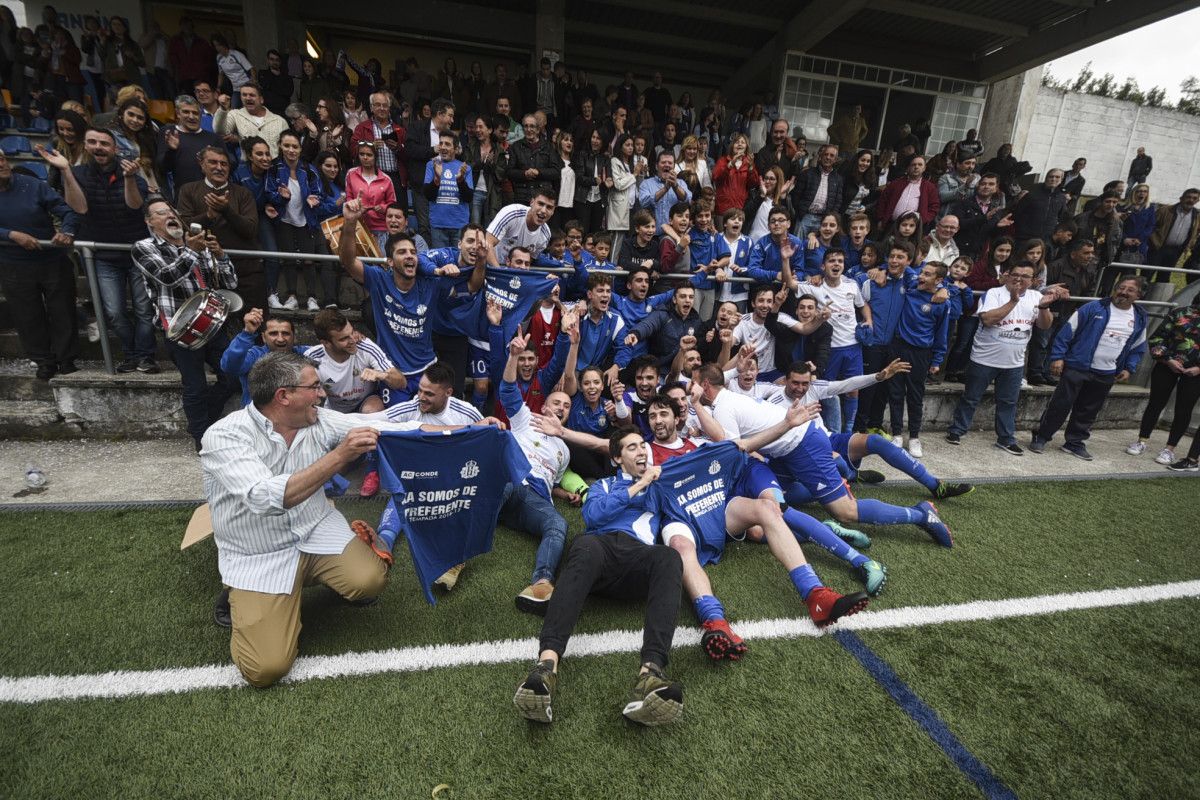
(389, 525)
(479, 399)
(708, 608)
(808, 529)
(849, 412)
(899, 458)
(805, 580)
(336, 486)
(874, 512)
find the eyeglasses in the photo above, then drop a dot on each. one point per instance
(312, 387)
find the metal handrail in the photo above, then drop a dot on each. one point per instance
(1124, 265)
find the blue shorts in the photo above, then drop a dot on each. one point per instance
(812, 465)
(844, 362)
(756, 478)
(394, 397)
(477, 369)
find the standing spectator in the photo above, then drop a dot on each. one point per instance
(940, 241)
(658, 99)
(1139, 168)
(334, 133)
(859, 183)
(156, 73)
(123, 58)
(1039, 210)
(1008, 170)
(1072, 185)
(564, 148)
(252, 174)
(448, 185)
(692, 159)
(1101, 344)
(1176, 229)
(958, 185)
(545, 91)
(115, 192)
(780, 152)
(1103, 226)
(532, 164)
(772, 192)
(192, 57)
(502, 86)
(484, 149)
(627, 92)
(668, 141)
(206, 98)
(449, 84)
(1175, 348)
(420, 147)
(252, 119)
(1007, 316)
(69, 128)
(387, 142)
(592, 182)
(92, 64)
(228, 211)
(818, 191)
(623, 192)
(848, 130)
(39, 285)
(1139, 216)
(135, 137)
(734, 175)
(474, 89)
(180, 145)
(312, 86)
(293, 192)
(942, 163)
(63, 75)
(980, 216)
(584, 124)
(177, 267)
(352, 109)
(235, 68)
(373, 188)
(277, 85)
(909, 193)
(970, 145)
(664, 190)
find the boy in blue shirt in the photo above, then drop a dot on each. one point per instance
(449, 187)
(920, 341)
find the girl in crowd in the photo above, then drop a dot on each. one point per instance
(252, 173)
(772, 191)
(123, 58)
(135, 137)
(333, 185)
(564, 147)
(641, 162)
(622, 192)
(590, 413)
(483, 150)
(1175, 348)
(860, 186)
(333, 134)
(828, 234)
(942, 163)
(375, 189)
(352, 110)
(905, 228)
(312, 87)
(293, 192)
(592, 183)
(1139, 224)
(69, 128)
(734, 175)
(641, 248)
(692, 160)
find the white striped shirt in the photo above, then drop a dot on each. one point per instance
(246, 469)
(511, 229)
(456, 412)
(345, 390)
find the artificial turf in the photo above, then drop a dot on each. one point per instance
(1090, 703)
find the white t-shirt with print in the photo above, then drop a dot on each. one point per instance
(345, 389)
(1112, 341)
(1003, 346)
(842, 300)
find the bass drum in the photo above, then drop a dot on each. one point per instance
(198, 320)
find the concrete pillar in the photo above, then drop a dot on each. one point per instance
(549, 35)
(263, 23)
(1009, 112)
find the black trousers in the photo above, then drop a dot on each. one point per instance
(908, 387)
(41, 299)
(873, 399)
(589, 463)
(454, 352)
(1187, 391)
(618, 566)
(1080, 394)
(1162, 257)
(203, 403)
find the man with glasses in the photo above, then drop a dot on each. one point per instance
(387, 138)
(1007, 315)
(207, 99)
(779, 151)
(531, 164)
(264, 469)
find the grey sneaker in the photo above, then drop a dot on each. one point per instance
(654, 700)
(1077, 450)
(1036, 445)
(534, 694)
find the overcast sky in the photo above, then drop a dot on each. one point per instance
(1162, 54)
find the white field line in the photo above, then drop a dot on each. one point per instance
(125, 683)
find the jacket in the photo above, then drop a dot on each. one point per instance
(1078, 281)
(236, 228)
(585, 175)
(1178, 337)
(815, 347)
(887, 304)
(1076, 341)
(310, 184)
(927, 205)
(108, 218)
(807, 184)
(379, 191)
(1037, 213)
(662, 330)
(733, 184)
(620, 197)
(523, 156)
(30, 206)
(975, 227)
(418, 151)
(1108, 242)
(365, 132)
(1163, 220)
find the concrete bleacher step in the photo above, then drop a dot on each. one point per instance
(34, 419)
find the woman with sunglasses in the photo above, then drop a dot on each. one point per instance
(375, 189)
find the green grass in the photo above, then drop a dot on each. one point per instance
(1092, 703)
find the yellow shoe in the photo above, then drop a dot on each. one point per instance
(449, 578)
(535, 598)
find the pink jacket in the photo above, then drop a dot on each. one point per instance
(376, 193)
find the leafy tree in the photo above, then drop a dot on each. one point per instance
(1189, 102)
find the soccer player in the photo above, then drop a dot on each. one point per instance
(921, 342)
(617, 557)
(521, 225)
(278, 335)
(533, 384)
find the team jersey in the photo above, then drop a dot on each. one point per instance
(660, 453)
(511, 230)
(548, 455)
(742, 417)
(758, 390)
(842, 300)
(586, 419)
(819, 390)
(447, 210)
(345, 389)
(403, 320)
(609, 508)
(750, 331)
(694, 489)
(456, 412)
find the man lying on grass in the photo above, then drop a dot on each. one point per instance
(264, 470)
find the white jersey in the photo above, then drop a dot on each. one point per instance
(345, 389)
(755, 334)
(819, 390)
(842, 300)
(758, 390)
(548, 455)
(742, 416)
(456, 412)
(1003, 346)
(511, 230)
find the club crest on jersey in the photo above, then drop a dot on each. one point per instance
(421, 309)
(447, 175)
(515, 283)
(926, 308)
(714, 467)
(469, 470)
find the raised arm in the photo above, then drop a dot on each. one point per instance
(352, 210)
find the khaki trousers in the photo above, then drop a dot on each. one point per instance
(266, 627)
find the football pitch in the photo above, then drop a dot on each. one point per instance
(1051, 653)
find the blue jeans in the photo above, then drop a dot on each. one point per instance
(808, 224)
(443, 237)
(202, 403)
(120, 282)
(526, 510)
(1008, 389)
(478, 202)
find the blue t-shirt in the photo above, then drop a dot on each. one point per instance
(404, 319)
(588, 420)
(447, 488)
(694, 490)
(447, 209)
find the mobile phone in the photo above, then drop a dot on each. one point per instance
(195, 228)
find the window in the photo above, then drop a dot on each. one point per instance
(952, 118)
(808, 103)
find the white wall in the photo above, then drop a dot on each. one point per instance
(1108, 133)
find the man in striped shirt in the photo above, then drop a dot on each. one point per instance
(264, 468)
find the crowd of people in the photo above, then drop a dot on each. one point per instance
(617, 277)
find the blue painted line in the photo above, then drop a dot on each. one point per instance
(978, 772)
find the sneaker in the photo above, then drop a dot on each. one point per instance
(534, 598)
(1184, 465)
(535, 692)
(222, 616)
(449, 579)
(1024, 383)
(1077, 450)
(874, 576)
(945, 491)
(291, 304)
(870, 476)
(654, 700)
(148, 366)
(128, 365)
(719, 641)
(856, 539)
(1037, 446)
(370, 484)
(953, 438)
(826, 606)
(914, 448)
(880, 432)
(368, 535)
(933, 525)
(1136, 449)
(312, 304)
(1165, 456)
(273, 301)
(1012, 448)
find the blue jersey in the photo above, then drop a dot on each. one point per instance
(588, 420)
(447, 489)
(241, 355)
(766, 261)
(694, 490)
(447, 209)
(609, 508)
(404, 319)
(924, 323)
(961, 302)
(457, 299)
(886, 303)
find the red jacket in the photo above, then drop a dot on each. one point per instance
(982, 276)
(733, 185)
(927, 206)
(544, 334)
(195, 63)
(365, 132)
